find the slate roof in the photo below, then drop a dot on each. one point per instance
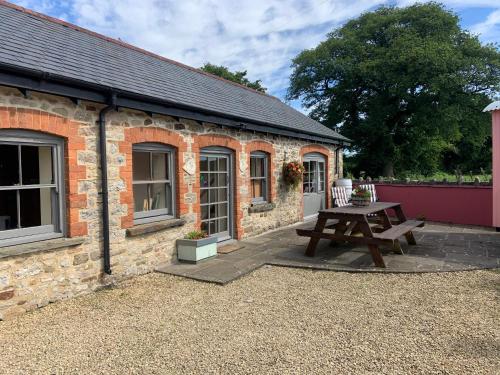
(38, 42)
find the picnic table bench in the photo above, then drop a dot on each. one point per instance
(351, 224)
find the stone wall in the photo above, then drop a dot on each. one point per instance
(40, 275)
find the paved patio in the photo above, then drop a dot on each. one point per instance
(440, 248)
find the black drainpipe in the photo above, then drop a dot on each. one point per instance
(104, 181)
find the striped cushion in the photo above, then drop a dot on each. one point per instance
(340, 198)
(371, 189)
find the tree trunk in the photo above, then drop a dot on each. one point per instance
(388, 169)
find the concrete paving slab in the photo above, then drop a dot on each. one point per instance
(439, 248)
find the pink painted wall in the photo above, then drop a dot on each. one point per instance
(472, 205)
(495, 131)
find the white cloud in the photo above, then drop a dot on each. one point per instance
(261, 36)
(489, 30)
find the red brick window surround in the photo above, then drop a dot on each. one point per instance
(151, 135)
(326, 153)
(207, 140)
(51, 124)
(268, 150)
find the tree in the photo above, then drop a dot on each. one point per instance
(407, 85)
(238, 76)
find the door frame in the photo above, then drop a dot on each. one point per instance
(223, 151)
(317, 157)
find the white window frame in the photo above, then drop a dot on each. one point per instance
(142, 217)
(312, 176)
(321, 183)
(265, 193)
(21, 138)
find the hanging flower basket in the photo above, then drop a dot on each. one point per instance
(292, 173)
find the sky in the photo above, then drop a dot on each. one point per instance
(260, 36)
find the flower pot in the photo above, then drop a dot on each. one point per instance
(360, 201)
(193, 251)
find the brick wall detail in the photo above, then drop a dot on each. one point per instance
(40, 121)
(140, 135)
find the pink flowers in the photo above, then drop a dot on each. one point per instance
(292, 173)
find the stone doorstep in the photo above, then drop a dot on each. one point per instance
(226, 249)
(39, 246)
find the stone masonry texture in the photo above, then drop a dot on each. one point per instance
(33, 280)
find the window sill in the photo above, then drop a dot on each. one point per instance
(261, 207)
(138, 230)
(39, 246)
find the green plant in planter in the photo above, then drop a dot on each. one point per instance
(361, 193)
(196, 246)
(292, 173)
(196, 235)
(361, 197)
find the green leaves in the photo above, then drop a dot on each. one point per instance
(238, 77)
(406, 84)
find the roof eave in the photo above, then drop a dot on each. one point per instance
(30, 79)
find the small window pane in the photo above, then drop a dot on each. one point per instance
(158, 196)
(213, 179)
(258, 188)
(204, 226)
(35, 207)
(45, 165)
(160, 166)
(203, 164)
(223, 225)
(222, 165)
(204, 180)
(8, 210)
(257, 167)
(222, 209)
(213, 228)
(9, 165)
(212, 164)
(36, 163)
(204, 196)
(141, 166)
(222, 179)
(141, 201)
(214, 197)
(204, 212)
(212, 211)
(222, 193)
(321, 183)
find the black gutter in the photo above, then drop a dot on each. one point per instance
(104, 181)
(73, 88)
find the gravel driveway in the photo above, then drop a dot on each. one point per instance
(276, 320)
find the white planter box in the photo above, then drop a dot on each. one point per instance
(193, 251)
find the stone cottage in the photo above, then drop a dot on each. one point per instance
(109, 153)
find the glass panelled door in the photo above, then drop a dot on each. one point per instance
(215, 194)
(314, 184)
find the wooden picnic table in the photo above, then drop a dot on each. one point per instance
(352, 224)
